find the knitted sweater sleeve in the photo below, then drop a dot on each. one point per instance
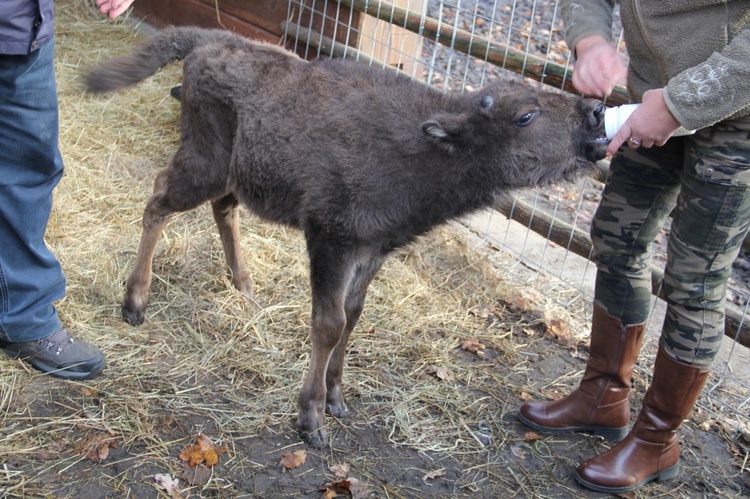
(586, 17)
(714, 90)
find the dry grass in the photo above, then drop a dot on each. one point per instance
(208, 361)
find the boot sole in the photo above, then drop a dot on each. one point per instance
(606, 432)
(57, 372)
(666, 474)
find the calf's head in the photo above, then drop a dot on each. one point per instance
(523, 136)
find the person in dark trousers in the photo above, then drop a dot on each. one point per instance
(31, 279)
(689, 65)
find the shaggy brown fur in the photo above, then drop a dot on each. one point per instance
(361, 160)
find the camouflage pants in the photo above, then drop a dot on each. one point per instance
(704, 181)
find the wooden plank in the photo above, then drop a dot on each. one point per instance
(392, 44)
(266, 15)
(196, 13)
(329, 19)
(258, 20)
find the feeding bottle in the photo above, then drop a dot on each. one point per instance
(614, 117)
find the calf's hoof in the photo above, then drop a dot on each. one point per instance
(335, 404)
(244, 284)
(317, 438)
(132, 317)
(339, 411)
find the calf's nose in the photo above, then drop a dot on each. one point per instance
(599, 111)
(594, 112)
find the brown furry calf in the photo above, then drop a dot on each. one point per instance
(361, 160)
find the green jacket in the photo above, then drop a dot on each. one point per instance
(697, 50)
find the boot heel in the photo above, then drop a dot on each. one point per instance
(669, 473)
(611, 434)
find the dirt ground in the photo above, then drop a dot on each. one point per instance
(515, 464)
(428, 417)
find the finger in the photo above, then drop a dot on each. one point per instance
(619, 139)
(105, 6)
(580, 84)
(119, 9)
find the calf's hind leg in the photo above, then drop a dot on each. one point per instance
(331, 269)
(354, 304)
(155, 217)
(226, 214)
(169, 198)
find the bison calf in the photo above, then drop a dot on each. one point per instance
(361, 160)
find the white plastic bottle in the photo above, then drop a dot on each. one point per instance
(614, 117)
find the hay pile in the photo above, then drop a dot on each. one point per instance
(207, 360)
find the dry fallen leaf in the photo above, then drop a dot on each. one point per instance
(518, 451)
(735, 449)
(746, 433)
(560, 331)
(358, 489)
(441, 372)
(526, 396)
(203, 451)
(433, 474)
(328, 493)
(169, 485)
(472, 345)
(52, 451)
(294, 459)
(96, 446)
(211, 457)
(556, 327)
(481, 311)
(531, 436)
(196, 475)
(519, 303)
(707, 425)
(350, 487)
(578, 355)
(336, 488)
(340, 470)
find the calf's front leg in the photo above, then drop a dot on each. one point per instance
(330, 271)
(327, 330)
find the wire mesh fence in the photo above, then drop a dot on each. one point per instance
(538, 238)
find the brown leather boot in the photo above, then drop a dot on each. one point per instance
(650, 451)
(600, 403)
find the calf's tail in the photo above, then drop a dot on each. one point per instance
(168, 46)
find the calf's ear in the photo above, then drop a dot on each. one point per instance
(448, 130)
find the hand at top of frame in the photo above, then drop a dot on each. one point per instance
(649, 125)
(113, 8)
(599, 68)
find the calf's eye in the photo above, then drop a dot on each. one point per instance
(526, 119)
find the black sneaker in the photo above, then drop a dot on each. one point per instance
(60, 355)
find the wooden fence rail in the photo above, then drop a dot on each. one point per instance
(495, 53)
